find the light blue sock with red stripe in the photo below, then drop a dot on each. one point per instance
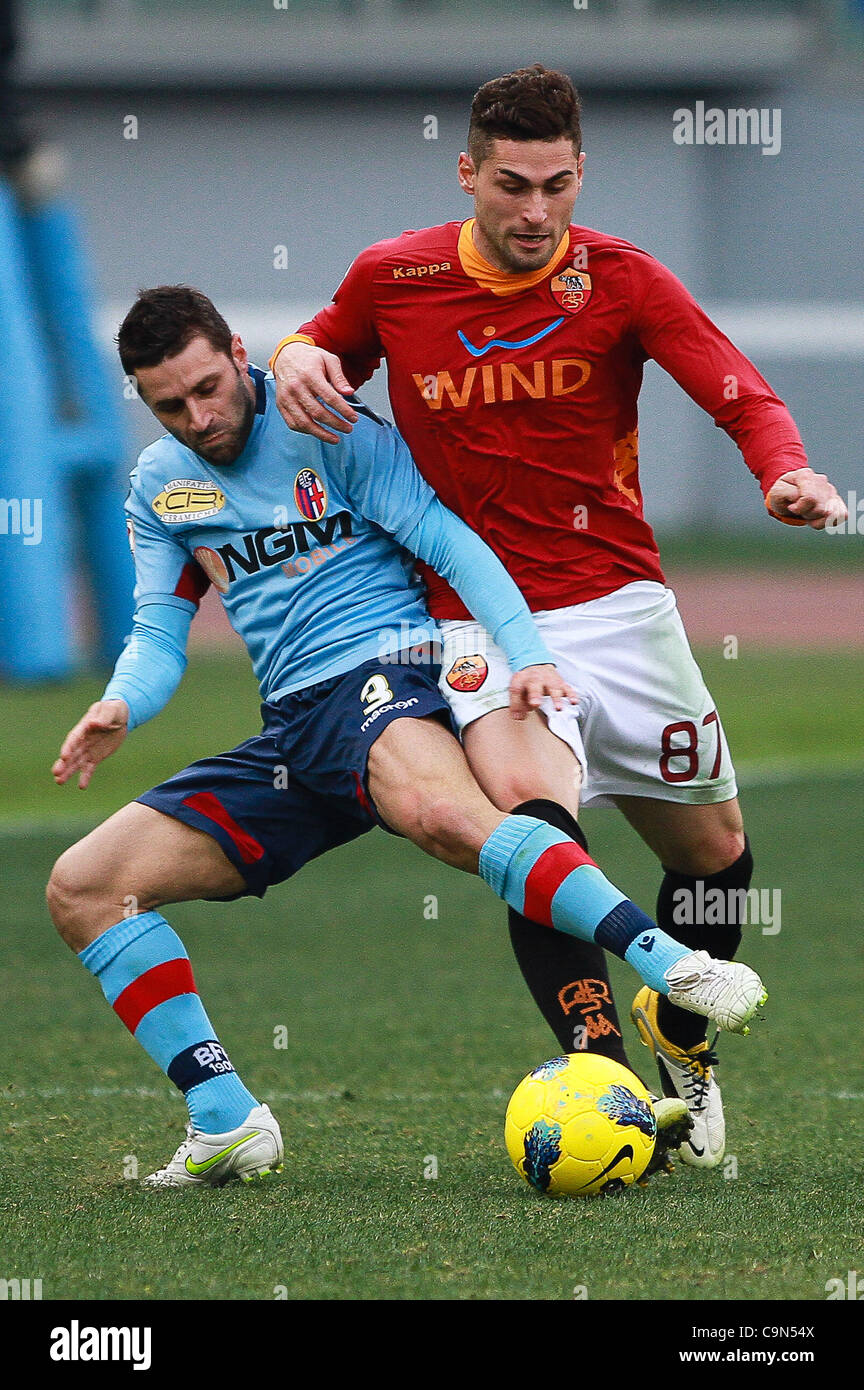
(550, 879)
(145, 974)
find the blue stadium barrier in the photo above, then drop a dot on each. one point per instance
(61, 452)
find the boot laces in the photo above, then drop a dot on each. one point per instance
(698, 1078)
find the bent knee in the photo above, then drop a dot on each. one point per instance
(512, 789)
(80, 900)
(448, 830)
(729, 847)
(68, 892)
(712, 853)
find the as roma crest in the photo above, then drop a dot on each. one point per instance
(571, 289)
(310, 495)
(468, 673)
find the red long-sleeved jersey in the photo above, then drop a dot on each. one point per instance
(517, 395)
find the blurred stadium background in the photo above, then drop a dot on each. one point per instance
(252, 149)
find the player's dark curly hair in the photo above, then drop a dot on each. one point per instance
(533, 103)
(163, 321)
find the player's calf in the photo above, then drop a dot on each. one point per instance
(568, 977)
(681, 912)
(137, 860)
(549, 878)
(422, 786)
(102, 896)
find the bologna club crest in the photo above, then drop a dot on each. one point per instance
(571, 289)
(310, 495)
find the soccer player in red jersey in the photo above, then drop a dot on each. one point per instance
(515, 343)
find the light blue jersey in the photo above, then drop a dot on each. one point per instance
(311, 547)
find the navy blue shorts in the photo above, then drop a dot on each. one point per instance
(299, 787)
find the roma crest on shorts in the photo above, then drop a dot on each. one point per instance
(468, 673)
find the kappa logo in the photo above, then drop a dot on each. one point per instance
(188, 499)
(571, 288)
(417, 272)
(468, 673)
(626, 477)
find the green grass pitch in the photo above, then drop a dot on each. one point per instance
(404, 1036)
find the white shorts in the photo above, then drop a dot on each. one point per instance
(645, 724)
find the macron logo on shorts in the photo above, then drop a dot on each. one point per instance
(395, 704)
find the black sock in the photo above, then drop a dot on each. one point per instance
(568, 978)
(720, 939)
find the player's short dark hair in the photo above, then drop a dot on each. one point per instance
(533, 103)
(163, 321)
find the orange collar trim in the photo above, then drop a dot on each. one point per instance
(502, 282)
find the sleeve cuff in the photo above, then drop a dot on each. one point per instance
(292, 338)
(775, 469)
(787, 520)
(770, 477)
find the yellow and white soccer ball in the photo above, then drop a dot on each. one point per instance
(580, 1124)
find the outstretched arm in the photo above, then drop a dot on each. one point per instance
(147, 673)
(93, 739)
(674, 330)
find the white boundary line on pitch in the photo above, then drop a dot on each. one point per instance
(295, 1097)
(777, 773)
(292, 1097)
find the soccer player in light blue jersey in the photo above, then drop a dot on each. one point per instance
(312, 551)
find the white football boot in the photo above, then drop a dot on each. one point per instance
(688, 1075)
(252, 1150)
(723, 990)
